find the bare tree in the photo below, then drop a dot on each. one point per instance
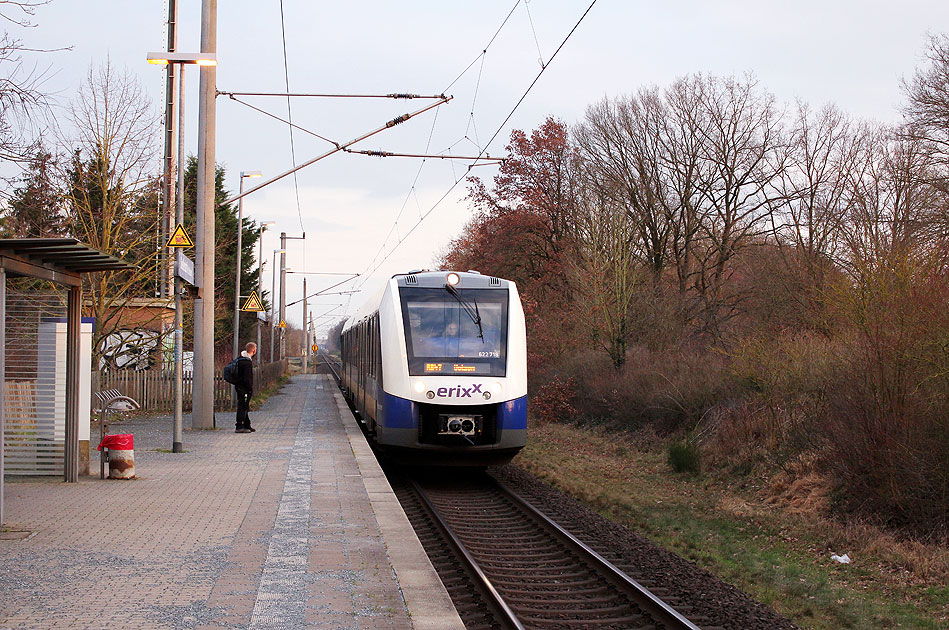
(744, 152)
(608, 266)
(894, 215)
(927, 109)
(682, 133)
(112, 198)
(825, 152)
(20, 93)
(621, 142)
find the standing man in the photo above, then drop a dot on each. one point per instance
(245, 388)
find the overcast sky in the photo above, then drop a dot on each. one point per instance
(357, 210)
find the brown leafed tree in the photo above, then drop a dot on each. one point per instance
(522, 230)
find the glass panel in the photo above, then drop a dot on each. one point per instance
(443, 337)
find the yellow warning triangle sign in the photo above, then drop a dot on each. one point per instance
(283, 324)
(253, 303)
(180, 238)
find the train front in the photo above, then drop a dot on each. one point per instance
(455, 386)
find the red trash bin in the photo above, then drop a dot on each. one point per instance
(121, 455)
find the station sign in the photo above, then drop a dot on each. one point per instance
(184, 268)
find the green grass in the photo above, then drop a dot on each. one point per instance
(780, 559)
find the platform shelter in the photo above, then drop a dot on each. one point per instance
(61, 261)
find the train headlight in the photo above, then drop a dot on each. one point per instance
(487, 395)
(452, 278)
(430, 394)
(495, 388)
(419, 386)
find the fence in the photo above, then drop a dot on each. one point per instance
(154, 390)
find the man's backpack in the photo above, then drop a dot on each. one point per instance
(230, 372)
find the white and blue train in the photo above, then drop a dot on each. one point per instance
(436, 367)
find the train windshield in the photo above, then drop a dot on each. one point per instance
(455, 334)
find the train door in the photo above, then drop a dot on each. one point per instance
(377, 369)
(360, 368)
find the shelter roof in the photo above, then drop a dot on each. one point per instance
(56, 259)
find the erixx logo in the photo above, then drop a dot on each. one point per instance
(460, 392)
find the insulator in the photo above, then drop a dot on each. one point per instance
(397, 121)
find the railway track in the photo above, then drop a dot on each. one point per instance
(506, 565)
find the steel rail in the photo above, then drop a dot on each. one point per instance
(639, 597)
(507, 616)
(331, 365)
(659, 610)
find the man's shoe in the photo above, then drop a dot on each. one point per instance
(242, 430)
(252, 429)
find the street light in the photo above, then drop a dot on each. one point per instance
(165, 58)
(273, 282)
(260, 281)
(237, 274)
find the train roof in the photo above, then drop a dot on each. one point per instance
(425, 278)
(466, 279)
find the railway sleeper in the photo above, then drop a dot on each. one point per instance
(637, 622)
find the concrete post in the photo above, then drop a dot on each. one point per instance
(203, 406)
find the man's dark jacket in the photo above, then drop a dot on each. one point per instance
(245, 375)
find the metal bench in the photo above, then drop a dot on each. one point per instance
(110, 400)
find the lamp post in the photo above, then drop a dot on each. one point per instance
(283, 286)
(203, 391)
(237, 274)
(260, 281)
(172, 59)
(273, 282)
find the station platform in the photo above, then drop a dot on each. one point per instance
(291, 527)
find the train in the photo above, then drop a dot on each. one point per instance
(435, 368)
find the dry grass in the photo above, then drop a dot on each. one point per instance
(765, 533)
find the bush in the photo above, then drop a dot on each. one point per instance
(685, 457)
(665, 391)
(887, 426)
(552, 402)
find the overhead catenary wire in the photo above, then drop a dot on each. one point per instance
(412, 190)
(485, 49)
(396, 95)
(293, 155)
(540, 55)
(370, 270)
(392, 123)
(283, 120)
(424, 155)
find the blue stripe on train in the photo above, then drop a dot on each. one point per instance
(513, 414)
(399, 413)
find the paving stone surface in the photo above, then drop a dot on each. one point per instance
(273, 529)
